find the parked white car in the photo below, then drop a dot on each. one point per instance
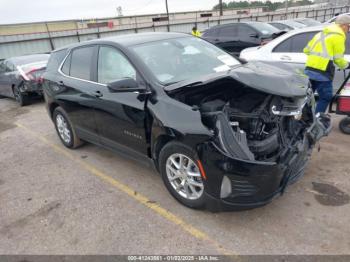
(333, 18)
(288, 49)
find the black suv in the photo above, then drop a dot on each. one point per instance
(235, 37)
(222, 134)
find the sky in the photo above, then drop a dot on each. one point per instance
(23, 11)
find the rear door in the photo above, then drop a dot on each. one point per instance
(75, 90)
(290, 51)
(120, 116)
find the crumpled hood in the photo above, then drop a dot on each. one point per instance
(269, 77)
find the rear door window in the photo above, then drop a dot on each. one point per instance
(113, 65)
(294, 44)
(300, 41)
(228, 31)
(81, 61)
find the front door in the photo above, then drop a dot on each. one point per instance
(247, 37)
(120, 116)
(228, 39)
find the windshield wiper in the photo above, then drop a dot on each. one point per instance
(171, 83)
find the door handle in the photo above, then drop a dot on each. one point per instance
(286, 58)
(96, 94)
(60, 83)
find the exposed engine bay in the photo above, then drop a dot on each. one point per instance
(249, 124)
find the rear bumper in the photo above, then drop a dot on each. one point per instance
(32, 87)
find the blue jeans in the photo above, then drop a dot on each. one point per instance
(325, 92)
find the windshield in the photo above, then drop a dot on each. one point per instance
(308, 22)
(294, 24)
(265, 29)
(174, 60)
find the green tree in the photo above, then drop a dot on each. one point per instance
(270, 6)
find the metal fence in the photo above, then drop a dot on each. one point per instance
(44, 42)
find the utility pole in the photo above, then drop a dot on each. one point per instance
(220, 6)
(167, 13)
(286, 9)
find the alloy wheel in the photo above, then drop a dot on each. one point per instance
(63, 129)
(17, 94)
(184, 176)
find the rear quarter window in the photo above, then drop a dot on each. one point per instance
(55, 60)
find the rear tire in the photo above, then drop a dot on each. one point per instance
(21, 99)
(344, 125)
(65, 129)
(180, 173)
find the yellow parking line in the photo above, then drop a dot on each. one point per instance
(138, 197)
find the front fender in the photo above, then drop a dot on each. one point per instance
(175, 120)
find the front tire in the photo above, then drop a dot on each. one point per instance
(65, 129)
(180, 173)
(344, 125)
(21, 99)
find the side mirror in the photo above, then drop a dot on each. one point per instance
(125, 85)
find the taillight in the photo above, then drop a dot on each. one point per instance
(33, 75)
(40, 79)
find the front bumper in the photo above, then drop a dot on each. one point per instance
(254, 184)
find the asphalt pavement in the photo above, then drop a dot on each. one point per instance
(92, 201)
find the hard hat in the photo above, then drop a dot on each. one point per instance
(342, 20)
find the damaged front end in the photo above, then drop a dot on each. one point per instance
(261, 140)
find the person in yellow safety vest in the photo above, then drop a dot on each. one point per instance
(323, 51)
(195, 32)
